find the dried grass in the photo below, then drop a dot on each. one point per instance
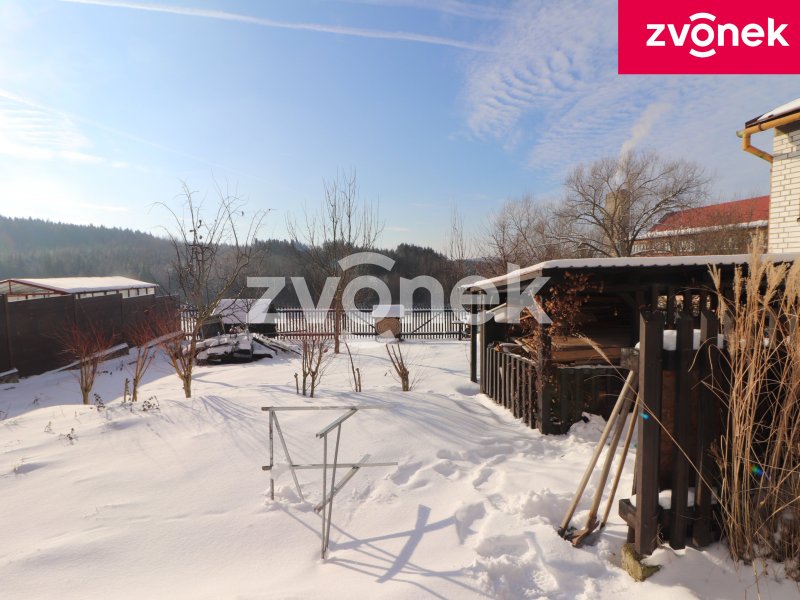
(759, 452)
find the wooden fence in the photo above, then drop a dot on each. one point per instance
(511, 381)
(30, 330)
(680, 418)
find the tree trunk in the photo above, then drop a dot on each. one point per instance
(337, 322)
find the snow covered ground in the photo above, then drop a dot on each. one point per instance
(172, 503)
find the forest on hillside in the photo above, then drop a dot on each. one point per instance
(39, 248)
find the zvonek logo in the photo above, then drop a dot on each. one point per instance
(729, 37)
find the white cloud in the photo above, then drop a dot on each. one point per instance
(404, 36)
(31, 132)
(551, 92)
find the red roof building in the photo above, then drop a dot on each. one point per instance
(725, 228)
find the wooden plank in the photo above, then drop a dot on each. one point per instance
(506, 381)
(532, 394)
(544, 383)
(649, 439)
(706, 408)
(680, 466)
(473, 349)
(671, 306)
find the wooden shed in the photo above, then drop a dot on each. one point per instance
(616, 293)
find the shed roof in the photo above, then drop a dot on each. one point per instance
(546, 268)
(70, 285)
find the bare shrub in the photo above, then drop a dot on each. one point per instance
(759, 452)
(86, 345)
(142, 336)
(400, 366)
(354, 370)
(315, 358)
(171, 340)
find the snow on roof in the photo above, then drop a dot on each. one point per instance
(240, 311)
(750, 211)
(77, 285)
(781, 111)
(528, 273)
(381, 311)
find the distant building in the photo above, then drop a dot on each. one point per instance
(80, 287)
(725, 228)
(256, 315)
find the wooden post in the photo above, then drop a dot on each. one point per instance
(680, 466)
(671, 305)
(473, 344)
(544, 382)
(7, 329)
(707, 416)
(649, 436)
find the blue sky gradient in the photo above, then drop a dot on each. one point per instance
(106, 106)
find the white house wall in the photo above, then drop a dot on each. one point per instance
(784, 208)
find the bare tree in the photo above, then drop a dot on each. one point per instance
(524, 232)
(211, 251)
(613, 201)
(459, 249)
(86, 344)
(342, 226)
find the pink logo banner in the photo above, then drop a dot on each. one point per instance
(708, 37)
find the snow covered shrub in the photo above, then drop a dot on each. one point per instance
(759, 452)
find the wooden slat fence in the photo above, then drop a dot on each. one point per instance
(679, 392)
(510, 380)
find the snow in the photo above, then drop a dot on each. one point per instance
(172, 503)
(382, 311)
(77, 285)
(538, 269)
(780, 111)
(651, 235)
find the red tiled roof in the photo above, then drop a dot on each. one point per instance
(726, 213)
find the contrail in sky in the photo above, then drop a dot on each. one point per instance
(403, 36)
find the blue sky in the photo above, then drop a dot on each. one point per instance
(107, 106)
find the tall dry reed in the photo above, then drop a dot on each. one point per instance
(759, 452)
